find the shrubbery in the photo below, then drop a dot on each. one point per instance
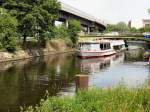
(61, 32)
(120, 99)
(8, 27)
(73, 29)
(70, 34)
(27, 18)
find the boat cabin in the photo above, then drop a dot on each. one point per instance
(99, 48)
(85, 46)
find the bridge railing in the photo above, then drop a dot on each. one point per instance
(96, 34)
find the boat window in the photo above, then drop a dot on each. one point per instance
(86, 46)
(108, 46)
(105, 46)
(101, 46)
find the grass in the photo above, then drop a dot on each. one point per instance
(120, 99)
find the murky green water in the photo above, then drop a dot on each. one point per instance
(24, 83)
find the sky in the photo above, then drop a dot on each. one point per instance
(114, 11)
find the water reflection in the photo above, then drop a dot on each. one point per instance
(25, 82)
(95, 65)
(110, 71)
(134, 55)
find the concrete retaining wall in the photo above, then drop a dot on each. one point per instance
(52, 47)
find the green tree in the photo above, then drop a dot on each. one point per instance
(61, 32)
(122, 27)
(74, 27)
(133, 29)
(8, 27)
(119, 27)
(142, 30)
(35, 17)
(110, 27)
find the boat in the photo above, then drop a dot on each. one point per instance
(99, 47)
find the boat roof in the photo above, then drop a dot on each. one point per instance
(95, 41)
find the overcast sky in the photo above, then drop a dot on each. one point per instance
(114, 11)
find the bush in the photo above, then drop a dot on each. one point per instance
(11, 44)
(61, 32)
(70, 34)
(73, 29)
(8, 27)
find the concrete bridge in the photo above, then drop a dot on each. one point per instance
(88, 22)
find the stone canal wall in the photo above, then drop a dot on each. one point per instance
(52, 47)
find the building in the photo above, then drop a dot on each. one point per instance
(146, 22)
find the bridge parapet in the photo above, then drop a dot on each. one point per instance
(88, 22)
(77, 12)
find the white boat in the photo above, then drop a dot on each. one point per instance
(99, 48)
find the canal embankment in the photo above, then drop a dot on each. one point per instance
(55, 46)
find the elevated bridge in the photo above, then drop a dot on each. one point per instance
(89, 23)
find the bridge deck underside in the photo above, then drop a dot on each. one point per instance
(65, 16)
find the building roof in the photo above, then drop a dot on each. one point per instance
(146, 20)
(72, 10)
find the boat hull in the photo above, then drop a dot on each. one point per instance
(87, 54)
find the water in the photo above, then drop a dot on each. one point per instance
(24, 83)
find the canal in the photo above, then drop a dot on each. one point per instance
(24, 83)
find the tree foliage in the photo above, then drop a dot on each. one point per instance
(122, 27)
(35, 17)
(119, 27)
(111, 27)
(73, 29)
(61, 32)
(145, 29)
(134, 30)
(8, 27)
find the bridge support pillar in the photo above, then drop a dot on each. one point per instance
(88, 30)
(66, 23)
